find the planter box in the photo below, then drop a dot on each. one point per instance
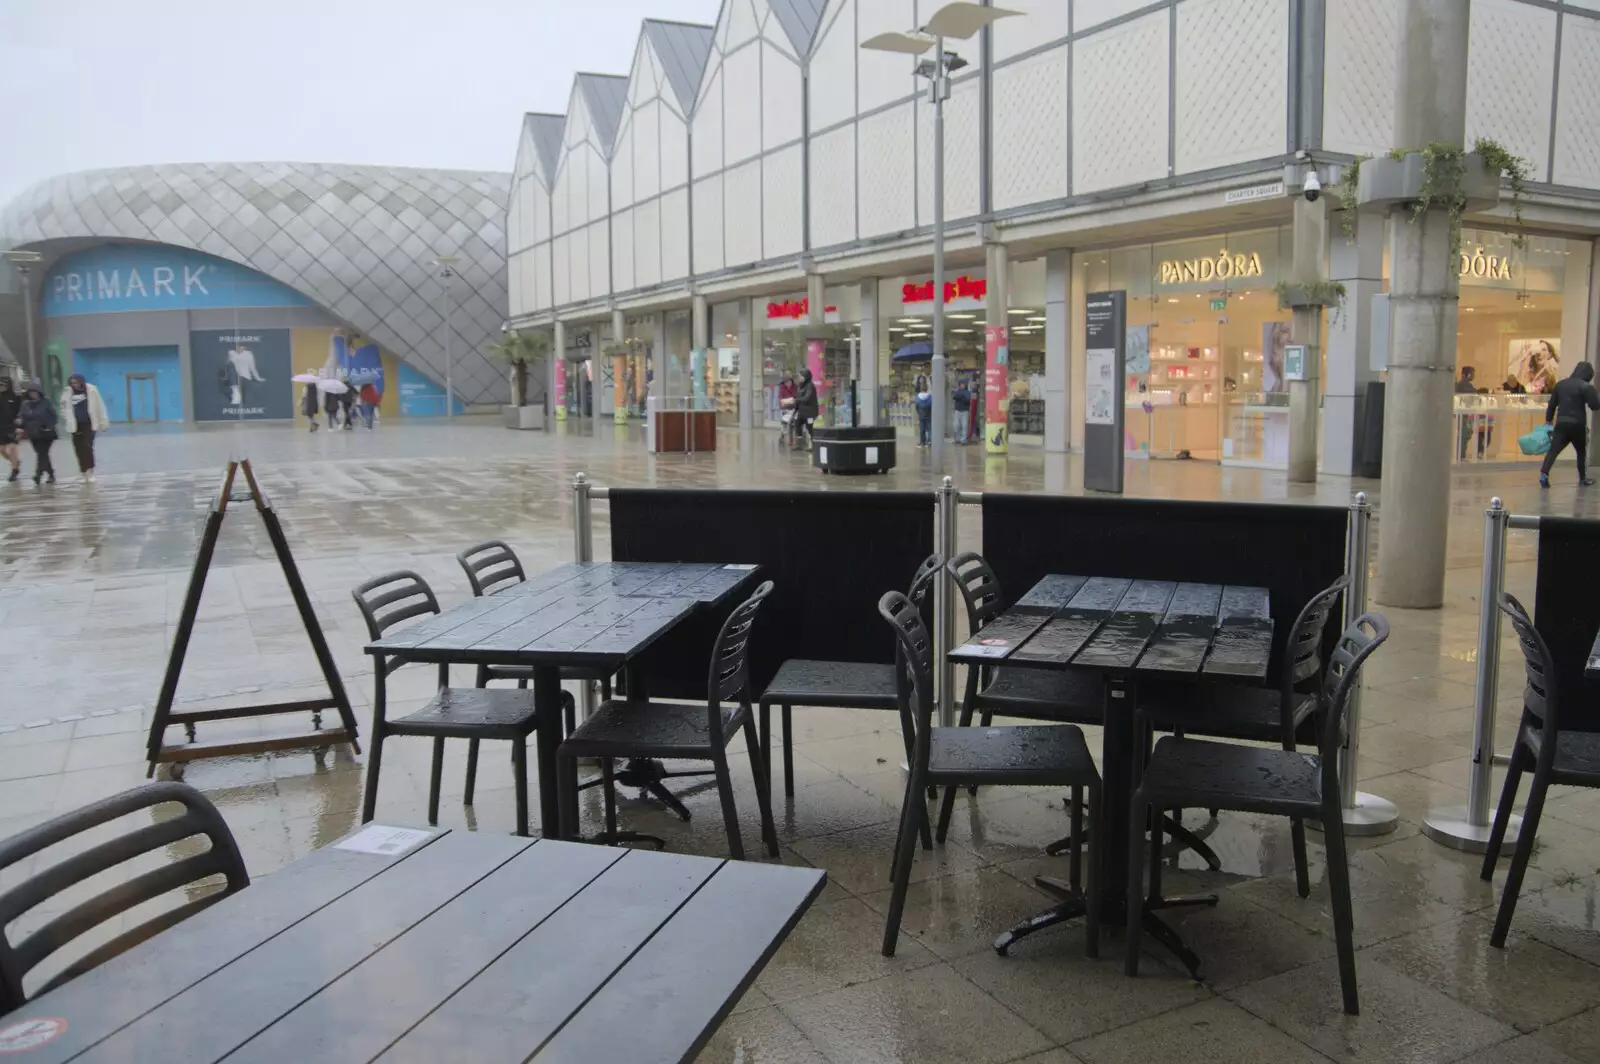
(1297, 296)
(523, 417)
(1386, 183)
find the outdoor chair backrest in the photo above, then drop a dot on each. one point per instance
(1539, 696)
(385, 601)
(1356, 643)
(1302, 659)
(198, 817)
(980, 588)
(913, 668)
(922, 580)
(729, 674)
(491, 566)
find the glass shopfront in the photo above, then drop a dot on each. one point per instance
(789, 344)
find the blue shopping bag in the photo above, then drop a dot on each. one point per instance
(1535, 442)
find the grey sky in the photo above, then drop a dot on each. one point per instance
(442, 83)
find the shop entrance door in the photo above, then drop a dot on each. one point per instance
(143, 405)
(1177, 415)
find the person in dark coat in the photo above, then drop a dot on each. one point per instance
(36, 423)
(10, 405)
(347, 404)
(1570, 403)
(805, 407)
(309, 405)
(330, 406)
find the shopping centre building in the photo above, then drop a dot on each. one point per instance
(755, 196)
(195, 292)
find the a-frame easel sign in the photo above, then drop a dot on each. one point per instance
(195, 748)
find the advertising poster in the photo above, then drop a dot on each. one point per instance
(817, 364)
(561, 389)
(996, 388)
(1100, 388)
(420, 396)
(620, 391)
(241, 374)
(1137, 370)
(1535, 363)
(1274, 338)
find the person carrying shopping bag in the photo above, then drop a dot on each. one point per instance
(83, 411)
(1570, 403)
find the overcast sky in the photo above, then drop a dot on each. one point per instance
(441, 83)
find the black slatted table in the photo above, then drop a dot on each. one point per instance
(1125, 629)
(462, 947)
(595, 614)
(1591, 668)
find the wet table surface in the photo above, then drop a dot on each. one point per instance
(594, 614)
(1126, 629)
(1592, 669)
(425, 945)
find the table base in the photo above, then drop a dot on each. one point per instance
(1185, 838)
(1112, 911)
(646, 775)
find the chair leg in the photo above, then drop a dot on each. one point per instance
(1156, 840)
(1138, 817)
(1502, 815)
(947, 806)
(1302, 871)
(481, 677)
(1096, 882)
(912, 811)
(1075, 854)
(605, 688)
(472, 771)
(1519, 860)
(1343, 918)
(764, 737)
(567, 792)
(434, 779)
(609, 794)
(730, 815)
(569, 712)
(967, 706)
(769, 830)
(788, 755)
(369, 802)
(519, 772)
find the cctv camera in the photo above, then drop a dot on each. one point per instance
(1313, 187)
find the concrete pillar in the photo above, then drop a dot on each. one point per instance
(1309, 266)
(749, 366)
(996, 368)
(1424, 292)
(1057, 344)
(699, 333)
(1357, 264)
(816, 300)
(868, 382)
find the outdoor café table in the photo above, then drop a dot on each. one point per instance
(596, 614)
(1591, 668)
(417, 945)
(1126, 629)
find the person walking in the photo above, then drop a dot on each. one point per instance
(10, 404)
(347, 406)
(309, 405)
(36, 423)
(924, 404)
(961, 399)
(84, 412)
(369, 402)
(1570, 402)
(330, 406)
(805, 407)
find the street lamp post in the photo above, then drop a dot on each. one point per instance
(447, 272)
(24, 262)
(959, 20)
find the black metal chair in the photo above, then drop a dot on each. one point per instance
(680, 731)
(1197, 772)
(833, 685)
(198, 817)
(1556, 755)
(1020, 755)
(471, 713)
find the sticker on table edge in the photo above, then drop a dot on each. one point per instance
(743, 567)
(384, 840)
(23, 1035)
(986, 649)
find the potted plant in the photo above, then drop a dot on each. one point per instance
(519, 350)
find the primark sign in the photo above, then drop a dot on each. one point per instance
(119, 278)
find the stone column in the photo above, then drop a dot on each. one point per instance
(1309, 266)
(867, 383)
(1424, 290)
(749, 366)
(1057, 345)
(1358, 265)
(996, 367)
(699, 341)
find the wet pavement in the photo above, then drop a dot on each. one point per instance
(92, 579)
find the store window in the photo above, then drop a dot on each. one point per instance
(722, 370)
(907, 304)
(789, 344)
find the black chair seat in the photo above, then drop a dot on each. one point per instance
(648, 729)
(471, 713)
(1221, 710)
(1072, 695)
(1229, 776)
(845, 684)
(1024, 754)
(1577, 757)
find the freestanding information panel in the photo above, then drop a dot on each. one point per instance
(1105, 320)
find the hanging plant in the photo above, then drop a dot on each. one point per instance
(1309, 294)
(1349, 184)
(1443, 183)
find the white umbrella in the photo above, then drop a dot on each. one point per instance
(305, 378)
(333, 385)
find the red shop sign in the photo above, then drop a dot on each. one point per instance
(962, 287)
(794, 308)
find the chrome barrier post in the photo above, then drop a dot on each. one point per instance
(1364, 814)
(1467, 827)
(944, 613)
(583, 551)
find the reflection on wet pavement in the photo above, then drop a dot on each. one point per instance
(92, 579)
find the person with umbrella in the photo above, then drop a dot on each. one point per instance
(330, 401)
(309, 403)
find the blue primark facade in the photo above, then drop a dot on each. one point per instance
(108, 280)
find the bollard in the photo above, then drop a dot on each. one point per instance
(1467, 827)
(944, 612)
(1364, 814)
(583, 551)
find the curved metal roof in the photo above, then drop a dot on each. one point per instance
(358, 240)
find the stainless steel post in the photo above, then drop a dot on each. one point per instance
(583, 551)
(940, 91)
(1467, 827)
(27, 316)
(944, 613)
